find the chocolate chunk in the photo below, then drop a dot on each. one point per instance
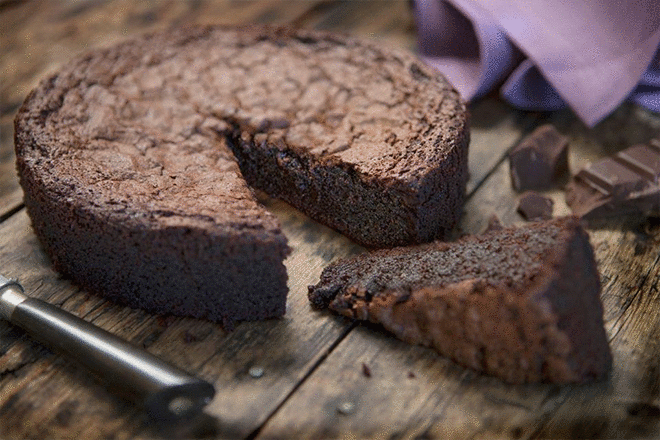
(535, 206)
(625, 183)
(540, 160)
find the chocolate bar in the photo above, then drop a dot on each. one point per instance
(625, 183)
(539, 160)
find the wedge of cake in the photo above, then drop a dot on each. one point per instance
(138, 161)
(521, 304)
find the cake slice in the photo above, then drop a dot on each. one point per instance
(521, 304)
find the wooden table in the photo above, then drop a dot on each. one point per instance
(315, 381)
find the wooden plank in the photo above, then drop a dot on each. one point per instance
(11, 195)
(286, 350)
(410, 392)
(389, 21)
(628, 125)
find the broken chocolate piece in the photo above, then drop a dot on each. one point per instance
(535, 206)
(626, 183)
(539, 160)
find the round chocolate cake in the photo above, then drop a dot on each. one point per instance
(137, 161)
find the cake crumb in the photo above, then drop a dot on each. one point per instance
(366, 371)
(346, 408)
(256, 372)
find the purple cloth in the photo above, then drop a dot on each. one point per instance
(588, 54)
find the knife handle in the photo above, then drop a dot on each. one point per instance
(167, 392)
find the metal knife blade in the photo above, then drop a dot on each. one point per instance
(168, 393)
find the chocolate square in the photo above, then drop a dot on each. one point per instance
(540, 160)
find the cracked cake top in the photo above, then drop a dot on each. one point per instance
(142, 126)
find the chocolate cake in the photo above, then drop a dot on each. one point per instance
(137, 160)
(521, 304)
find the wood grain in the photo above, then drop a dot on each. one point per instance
(322, 376)
(11, 195)
(390, 22)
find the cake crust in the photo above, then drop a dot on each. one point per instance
(134, 160)
(521, 304)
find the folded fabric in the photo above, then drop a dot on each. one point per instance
(588, 54)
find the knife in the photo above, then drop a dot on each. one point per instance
(167, 393)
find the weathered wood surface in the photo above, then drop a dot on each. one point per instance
(11, 196)
(323, 375)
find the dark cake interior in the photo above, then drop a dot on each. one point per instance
(519, 303)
